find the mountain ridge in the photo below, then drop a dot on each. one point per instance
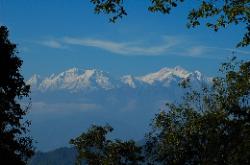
(76, 80)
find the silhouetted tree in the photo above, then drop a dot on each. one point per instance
(94, 148)
(208, 127)
(15, 147)
(221, 13)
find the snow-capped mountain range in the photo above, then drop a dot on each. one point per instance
(64, 104)
(76, 80)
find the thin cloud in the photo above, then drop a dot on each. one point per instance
(237, 51)
(201, 51)
(45, 107)
(52, 44)
(195, 51)
(128, 48)
(167, 45)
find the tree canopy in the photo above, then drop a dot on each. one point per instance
(94, 148)
(15, 145)
(216, 13)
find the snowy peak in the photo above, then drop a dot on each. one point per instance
(165, 75)
(129, 80)
(76, 80)
(197, 76)
(96, 78)
(34, 81)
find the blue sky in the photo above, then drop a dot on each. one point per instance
(54, 35)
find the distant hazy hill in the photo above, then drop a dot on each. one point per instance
(61, 156)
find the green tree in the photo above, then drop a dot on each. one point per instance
(15, 146)
(94, 148)
(218, 13)
(208, 127)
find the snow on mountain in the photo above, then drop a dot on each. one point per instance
(34, 81)
(198, 80)
(129, 80)
(165, 76)
(77, 80)
(73, 80)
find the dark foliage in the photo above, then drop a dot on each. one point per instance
(15, 147)
(94, 148)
